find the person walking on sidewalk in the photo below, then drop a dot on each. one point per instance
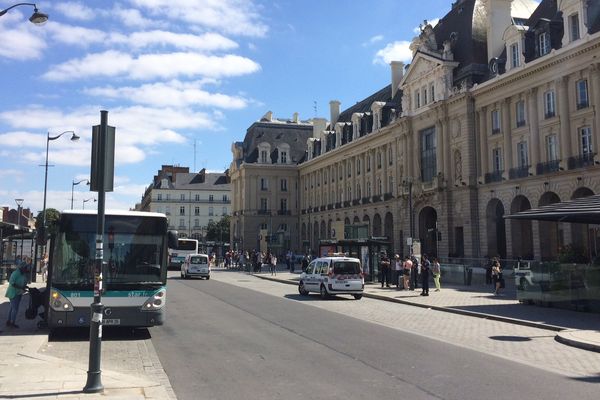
(406, 272)
(436, 270)
(425, 268)
(397, 270)
(497, 277)
(384, 263)
(17, 284)
(414, 273)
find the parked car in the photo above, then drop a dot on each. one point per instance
(195, 265)
(332, 276)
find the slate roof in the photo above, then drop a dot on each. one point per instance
(384, 95)
(212, 181)
(276, 133)
(547, 9)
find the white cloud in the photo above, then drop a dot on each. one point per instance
(131, 17)
(20, 40)
(239, 17)
(396, 51)
(204, 42)
(75, 10)
(173, 94)
(151, 66)
(373, 40)
(75, 35)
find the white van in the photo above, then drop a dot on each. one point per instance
(333, 275)
(195, 265)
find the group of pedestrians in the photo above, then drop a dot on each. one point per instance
(408, 272)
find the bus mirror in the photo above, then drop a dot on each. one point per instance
(172, 238)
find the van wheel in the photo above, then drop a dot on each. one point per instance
(357, 296)
(302, 290)
(208, 277)
(323, 293)
(181, 272)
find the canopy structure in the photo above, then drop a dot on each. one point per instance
(584, 210)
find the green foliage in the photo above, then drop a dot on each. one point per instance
(218, 231)
(573, 253)
(52, 217)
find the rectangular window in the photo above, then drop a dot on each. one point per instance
(424, 91)
(284, 157)
(390, 156)
(428, 155)
(224, 210)
(196, 210)
(522, 154)
(211, 198)
(168, 196)
(263, 204)
(263, 226)
(225, 200)
(497, 159)
(264, 184)
(159, 209)
(263, 156)
(520, 112)
(417, 99)
(283, 204)
(211, 211)
(284, 185)
(196, 222)
(358, 166)
(159, 196)
(181, 222)
(586, 141)
(582, 94)
(182, 210)
(574, 27)
(168, 210)
(197, 197)
(368, 163)
(551, 148)
(549, 104)
(432, 92)
(495, 122)
(182, 196)
(543, 43)
(514, 52)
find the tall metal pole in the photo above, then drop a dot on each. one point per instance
(45, 191)
(94, 374)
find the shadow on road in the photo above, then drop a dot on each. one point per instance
(108, 334)
(315, 297)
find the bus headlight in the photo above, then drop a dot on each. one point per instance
(58, 302)
(155, 302)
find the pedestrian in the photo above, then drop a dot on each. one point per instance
(436, 270)
(414, 272)
(497, 277)
(425, 268)
(273, 265)
(398, 271)
(384, 263)
(304, 262)
(17, 284)
(44, 267)
(407, 267)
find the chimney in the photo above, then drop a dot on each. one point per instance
(295, 119)
(498, 19)
(334, 111)
(319, 125)
(397, 74)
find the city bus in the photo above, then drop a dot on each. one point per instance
(184, 247)
(134, 272)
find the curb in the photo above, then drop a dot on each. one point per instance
(569, 337)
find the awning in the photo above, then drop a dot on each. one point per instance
(584, 210)
(7, 229)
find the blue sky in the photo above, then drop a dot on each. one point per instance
(174, 72)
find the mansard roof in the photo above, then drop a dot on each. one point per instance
(202, 181)
(546, 10)
(383, 95)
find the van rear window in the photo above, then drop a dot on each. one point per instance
(346, 267)
(198, 260)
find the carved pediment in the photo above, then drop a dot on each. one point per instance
(424, 65)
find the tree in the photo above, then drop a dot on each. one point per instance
(218, 231)
(52, 217)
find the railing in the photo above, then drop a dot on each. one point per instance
(284, 212)
(376, 198)
(366, 200)
(495, 176)
(338, 205)
(583, 104)
(263, 212)
(201, 201)
(584, 160)
(388, 196)
(550, 114)
(347, 203)
(547, 167)
(330, 206)
(322, 208)
(355, 202)
(519, 172)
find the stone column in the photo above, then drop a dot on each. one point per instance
(483, 143)
(563, 99)
(534, 129)
(506, 129)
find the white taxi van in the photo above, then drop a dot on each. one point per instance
(195, 265)
(332, 275)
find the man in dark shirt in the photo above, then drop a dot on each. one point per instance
(384, 263)
(425, 267)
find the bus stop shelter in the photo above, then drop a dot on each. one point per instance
(11, 234)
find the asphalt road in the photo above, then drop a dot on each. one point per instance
(226, 342)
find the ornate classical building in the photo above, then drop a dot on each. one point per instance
(496, 113)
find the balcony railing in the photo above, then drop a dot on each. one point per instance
(366, 200)
(550, 114)
(376, 198)
(581, 161)
(322, 208)
(355, 202)
(547, 167)
(338, 204)
(388, 196)
(263, 212)
(520, 123)
(315, 209)
(583, 104)
(347, 203)
(330, 206)
(201, 201)
(284, 212)
(495, 176)
(519, 172)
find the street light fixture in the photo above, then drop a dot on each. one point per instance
(19, 203)
(37, 18)
(87, 182)
(74, 138)
(86, 200)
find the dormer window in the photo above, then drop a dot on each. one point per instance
(264, 149)
(543, 43)
(514, 55)
(432, 92)
(574, 27)
(417, 99)
(424, 91)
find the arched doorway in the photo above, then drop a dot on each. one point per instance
(388, 229)
(376, 225)
(356, 220)
(496, 229)
(428, 231)
(366, 220)
(521, 230)
(548, 230)
(579, 235)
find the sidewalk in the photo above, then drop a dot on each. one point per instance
(578, 329)
(33, 367)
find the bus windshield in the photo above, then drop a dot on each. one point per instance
(133, 251)
(187, 244)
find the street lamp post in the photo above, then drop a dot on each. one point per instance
(408, 182)
(37, 18)
(19, 204)
(73, 188)
(86, 200)
(74, 138)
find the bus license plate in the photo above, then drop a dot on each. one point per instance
(111, 321)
